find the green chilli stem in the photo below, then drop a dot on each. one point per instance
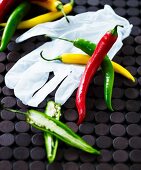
(60, 8)
(72, 2)
(57, 58)
(16, 111)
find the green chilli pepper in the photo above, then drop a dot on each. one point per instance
(107, 69)
(13, 22)
(88, 47)
(51, 143)
(106, 66)
(57, 129)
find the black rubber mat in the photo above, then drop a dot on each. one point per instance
(117, 134)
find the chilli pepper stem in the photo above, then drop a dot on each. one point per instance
(60, 8)
(57, 58)
(16, 111)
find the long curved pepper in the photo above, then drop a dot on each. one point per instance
(12, 23)
(71, 58)
(102, 48)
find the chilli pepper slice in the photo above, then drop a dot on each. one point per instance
(57, 129)
(70, 58)
(50, 16)
(13, 22)
(51, 142)
(102, 48)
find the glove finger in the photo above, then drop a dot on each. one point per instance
(46, 89)
(28, 85)
(58, 48)
(66, 89)
(15, 73)
(40, 29)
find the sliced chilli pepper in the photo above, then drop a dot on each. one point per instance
(50, 16)
(58, 129)
(13, 22)
(70, 58)
(102, 48)
(52, 5)
(51, 143)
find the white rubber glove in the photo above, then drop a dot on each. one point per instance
(29, 75)
(29, 90)
(90, 25)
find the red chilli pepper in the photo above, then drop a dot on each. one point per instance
(93, 64)
(5, 6)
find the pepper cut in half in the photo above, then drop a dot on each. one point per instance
(51, 143)
(57, 129)
(12, 23)
(50, 16)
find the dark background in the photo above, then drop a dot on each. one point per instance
(117, 134)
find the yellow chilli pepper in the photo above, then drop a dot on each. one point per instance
(50, 16)
(70, 58)
(51, 5)
(121, 70)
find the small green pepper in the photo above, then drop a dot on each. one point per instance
(13, 22)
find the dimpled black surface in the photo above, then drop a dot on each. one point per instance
(117, 134)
